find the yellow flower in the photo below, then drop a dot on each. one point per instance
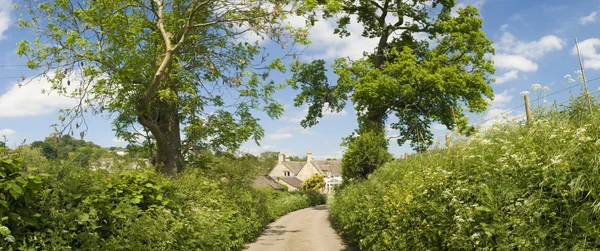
(566, 163)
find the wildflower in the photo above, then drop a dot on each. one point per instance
(9, 238)
(536, 87)
(546, 89)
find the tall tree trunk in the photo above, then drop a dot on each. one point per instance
(161, 118)
(168, 150)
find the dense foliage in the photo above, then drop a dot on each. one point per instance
(315, 182)
(510, 187)
(167, 66)
(365, 153)
(65, 147)
(65, 207)
(429, 65)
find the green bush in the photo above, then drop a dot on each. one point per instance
(365, 153)
(68, 207)
(510, 187)
(315, 182)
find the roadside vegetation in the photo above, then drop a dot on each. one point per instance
(509, 187)
(60, 206)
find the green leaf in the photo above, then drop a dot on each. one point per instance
(4, 230)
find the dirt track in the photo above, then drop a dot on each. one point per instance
(304, 230)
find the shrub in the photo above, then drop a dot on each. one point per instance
(315, 182)
(69, 207)
(511, 187)
(365, 153)
(18, 191)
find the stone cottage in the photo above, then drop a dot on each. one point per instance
(293, 173)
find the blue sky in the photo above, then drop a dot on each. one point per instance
(534, 43)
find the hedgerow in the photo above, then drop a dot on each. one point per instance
(67, 207)
(510, 187)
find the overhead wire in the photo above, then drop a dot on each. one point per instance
(535, 100)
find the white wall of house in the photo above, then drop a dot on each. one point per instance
(307, 171)
(330, 182)
(280, 169)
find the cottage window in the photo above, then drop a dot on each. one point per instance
(286, 173)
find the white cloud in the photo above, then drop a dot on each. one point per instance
(499, 115)
(332, 155)
(296, 117)
(516, 55)
(502, 99)
(533, 49)
(118, 140)
(280, 136)
(438, 127)
(288, 132)
(591, 18)
(330, 113)
(591, 58)
(515, 17)
(5, 17)
(7, 132)
(461, 4)
(327, 45)
(254, 149)
(505, 61)
(30, 101)
(507, 76)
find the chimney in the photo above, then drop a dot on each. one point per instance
(308, 156)
(280, 157)
(287, 158)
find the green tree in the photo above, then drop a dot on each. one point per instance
(315, 182)
(46, 148)
(66, 147)
(2, 144)
(418, 81)
(163, 64)
(366, 152)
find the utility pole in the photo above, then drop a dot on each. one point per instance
(587, 94)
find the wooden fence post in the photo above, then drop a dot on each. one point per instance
(527, 108)
(587, 94)
(405, 155)
(448, 142)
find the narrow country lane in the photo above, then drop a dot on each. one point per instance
(304, 230)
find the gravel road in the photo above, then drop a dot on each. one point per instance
(304, 230)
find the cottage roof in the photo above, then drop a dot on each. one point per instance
(294, 166)
(324, 166)
(292, 181)
(266, 181)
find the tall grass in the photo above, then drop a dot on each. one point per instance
(510, 187)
